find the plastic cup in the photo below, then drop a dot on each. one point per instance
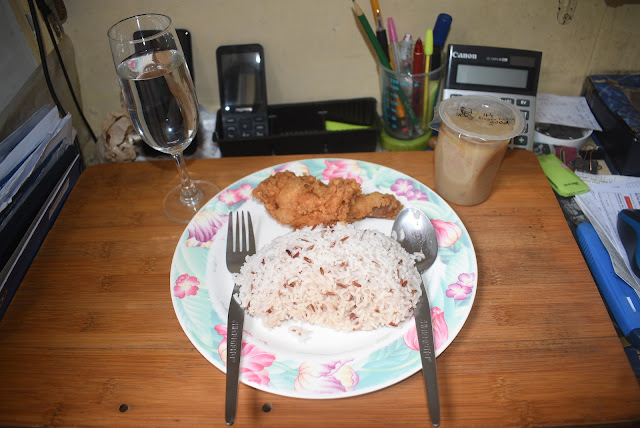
(473, 137)
(408, 102)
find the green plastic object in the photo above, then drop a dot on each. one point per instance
(564, 181)
(395, 145)
(331, 125)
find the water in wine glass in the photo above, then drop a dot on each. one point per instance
(159, 95)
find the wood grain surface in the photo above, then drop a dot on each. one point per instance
(91, 338)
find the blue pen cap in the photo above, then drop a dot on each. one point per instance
(441, 29)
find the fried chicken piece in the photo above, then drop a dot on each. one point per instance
(301, 201)
(305, 201)
(376, 204)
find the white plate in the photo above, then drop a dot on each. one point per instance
(323, 363)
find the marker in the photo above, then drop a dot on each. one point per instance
(440, 33)
(418, 82)
(428, 53)
(395, 49)
(418, 58)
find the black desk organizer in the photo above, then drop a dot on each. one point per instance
(300, 129)
(614, 100)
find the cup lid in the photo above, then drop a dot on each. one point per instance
(482, 116)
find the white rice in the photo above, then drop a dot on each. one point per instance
(338, 276)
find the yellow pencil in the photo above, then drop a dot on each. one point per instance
(376, 11)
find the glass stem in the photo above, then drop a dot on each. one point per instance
(190, 194)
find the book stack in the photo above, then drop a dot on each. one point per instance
(39, 164)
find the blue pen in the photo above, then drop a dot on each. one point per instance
(440, 33)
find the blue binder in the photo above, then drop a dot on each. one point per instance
(622, 300)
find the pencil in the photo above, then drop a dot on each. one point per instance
(372, 37)
(376, 10)
(428, 52)
(382, 57)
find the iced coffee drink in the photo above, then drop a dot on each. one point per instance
(473, 137)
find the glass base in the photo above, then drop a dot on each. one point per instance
(179, 211)
(393, 144)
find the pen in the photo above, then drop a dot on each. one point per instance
(401, 116)
(440, 33)
(418, 58)
(428, 53)
(405, 54)
(393, 38)
(418, 81)
(381, 56)
(372, 38)
(395, 49)
(381, 34)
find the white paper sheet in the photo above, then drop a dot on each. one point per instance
(9, 143)
(24, 148)
(568, 111)
(60, 133)
(608, 195)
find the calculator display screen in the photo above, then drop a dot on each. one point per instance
(492, 76)
(493, 69)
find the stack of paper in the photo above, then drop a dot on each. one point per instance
(39, 165)
(29, 148)
(563, 110)
(608, 195)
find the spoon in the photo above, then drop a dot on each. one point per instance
(414, 231)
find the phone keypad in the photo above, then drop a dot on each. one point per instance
(244, 127)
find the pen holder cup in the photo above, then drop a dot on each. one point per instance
(407, 107)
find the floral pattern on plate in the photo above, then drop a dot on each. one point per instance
(310, 361)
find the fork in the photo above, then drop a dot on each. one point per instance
(236, 256)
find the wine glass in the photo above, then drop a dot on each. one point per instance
(161, 100)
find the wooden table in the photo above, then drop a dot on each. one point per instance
(91, 337)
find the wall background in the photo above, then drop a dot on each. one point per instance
(315, 50)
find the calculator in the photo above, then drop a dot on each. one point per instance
(509, 74)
